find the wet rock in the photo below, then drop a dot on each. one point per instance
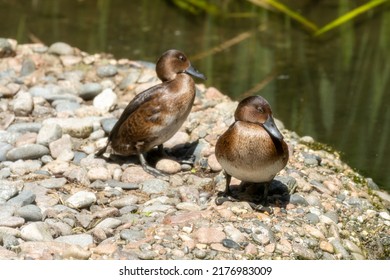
(29, 151)
(81, 199)
(228, 243)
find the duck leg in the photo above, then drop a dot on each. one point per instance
(261, 207)
(148, 168)
(227, 194)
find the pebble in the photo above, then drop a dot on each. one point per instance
(109, 223)
(124, 201)
(60, 145)
(106, 100)
(297, 199)
(89, 91)
(8, 189)
(83, 239)
(339, 248)
(81, 199)
(228, 243)
(36, 231)
(25, 197)
(122, 212)
(208, 235)
(60, 48)
(23, 104)
(106, 71)
(154, 186)
(168, 166)
(30, 213)
(28, 151)
(131, 235)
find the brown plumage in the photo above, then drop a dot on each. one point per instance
(252, 149)
(157, 113)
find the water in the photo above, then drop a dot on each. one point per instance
(333, 88)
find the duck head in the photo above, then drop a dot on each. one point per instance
(255, 109)
(174, 62)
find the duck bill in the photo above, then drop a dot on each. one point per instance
(271, 128)
(193, 72)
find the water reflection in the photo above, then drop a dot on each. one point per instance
(332, 88)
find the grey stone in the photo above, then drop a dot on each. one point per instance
(23, 127)
(5, 173)
(9, 189)
(49, 133)
(13, 222)
(89, 91)
(37, 231)
(53, 183)
(23, 104)
(10, 241)
(124, 201)
(131, 235)
(28, 151)
(297, 199)
(53, 92)
(6, 211)
(78, 156)
(4, 148)
(106, 71)
(108, 124)
(30, 213)
(28, 67)
(21, 167)
(153, 186)
(156, 208)
(302, 252)
(262, 234)
(61, 48)
(83, 239)
(339, 248)
(228, 243)
(78, 174)
(109, 223)
(67, 106)
(130, 79)
(312, 218)
(333, 216)
(81, 199)
(75, 127)
(60, 145)
(22, 199)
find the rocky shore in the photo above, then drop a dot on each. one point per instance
(57, 201)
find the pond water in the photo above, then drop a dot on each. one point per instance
(333, 87)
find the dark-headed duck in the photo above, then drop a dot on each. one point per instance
(156, 114)
(252, 149)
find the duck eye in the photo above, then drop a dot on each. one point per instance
(182, 58)
(260, 110)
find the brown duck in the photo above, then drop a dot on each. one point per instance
(252, 149)
(157, 113)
